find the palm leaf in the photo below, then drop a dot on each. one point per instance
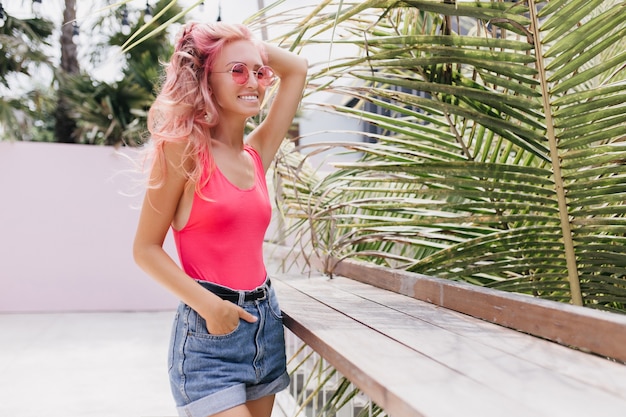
(495, 146)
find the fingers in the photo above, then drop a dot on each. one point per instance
(223, 318)
(226, 319)
(244, 315)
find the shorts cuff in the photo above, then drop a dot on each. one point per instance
(215, 403)
(259, 391)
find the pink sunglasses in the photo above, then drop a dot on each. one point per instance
(241, 74)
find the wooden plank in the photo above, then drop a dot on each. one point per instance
(550, 362)
(401, 380)
(507, 374)
(589, 369)
(587, 329)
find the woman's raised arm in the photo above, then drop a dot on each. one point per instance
(292, 71)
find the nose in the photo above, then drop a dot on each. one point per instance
(252, 78)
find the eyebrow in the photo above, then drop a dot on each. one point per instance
(255, 66)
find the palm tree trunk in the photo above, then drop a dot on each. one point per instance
(64, 124)
(261, 6)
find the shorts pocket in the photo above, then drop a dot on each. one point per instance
(218, 353)
(200, 329)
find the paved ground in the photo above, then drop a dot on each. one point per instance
(85, 365)
(89, 365)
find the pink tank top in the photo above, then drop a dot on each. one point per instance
(222, 241)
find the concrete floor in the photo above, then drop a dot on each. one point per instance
(85, 365)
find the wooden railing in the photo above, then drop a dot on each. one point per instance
(585, 329)
(419, 346)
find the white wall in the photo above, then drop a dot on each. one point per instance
(66, 231)
(319, 128)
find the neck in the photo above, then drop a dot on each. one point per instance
(229, 133)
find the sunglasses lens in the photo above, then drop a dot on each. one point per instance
(240, 73)
(265, 75)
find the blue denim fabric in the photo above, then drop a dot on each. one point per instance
(210, 374)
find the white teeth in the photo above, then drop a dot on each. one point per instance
(249, 98)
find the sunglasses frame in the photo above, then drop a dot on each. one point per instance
(241, 78)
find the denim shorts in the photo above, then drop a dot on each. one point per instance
(212, 373)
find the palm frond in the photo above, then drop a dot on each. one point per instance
(494, 144)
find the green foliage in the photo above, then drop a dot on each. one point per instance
(495, 152)
(115, 113)
(109, 113)
(20, 46)
(21, 56)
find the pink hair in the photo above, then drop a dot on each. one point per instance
(183, 110)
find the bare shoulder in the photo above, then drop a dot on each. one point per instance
(173, 163)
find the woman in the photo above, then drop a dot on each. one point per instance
(227, 353)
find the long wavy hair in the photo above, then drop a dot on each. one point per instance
(184, 110)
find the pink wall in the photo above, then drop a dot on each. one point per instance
(66, 229)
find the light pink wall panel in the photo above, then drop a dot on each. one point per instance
(67, 221)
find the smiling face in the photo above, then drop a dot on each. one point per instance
(231, 98)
